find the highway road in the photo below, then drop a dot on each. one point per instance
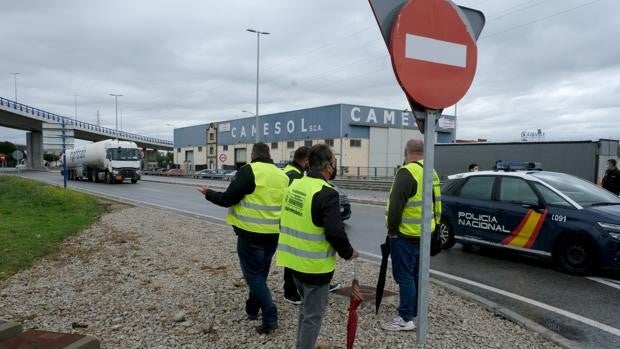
(585, 310)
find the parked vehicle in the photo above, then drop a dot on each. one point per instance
(175, 172)
(110, 160)
(548, 214)
(204, 173)
(229, 175)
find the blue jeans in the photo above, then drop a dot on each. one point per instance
(255, 260)
(405, 256)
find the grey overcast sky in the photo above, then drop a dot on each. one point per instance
(550, 65)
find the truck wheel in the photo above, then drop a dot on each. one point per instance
(109, 178)
(134, 181)
(575, 255)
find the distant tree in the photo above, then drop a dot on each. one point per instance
(50, 157)
(7, 148)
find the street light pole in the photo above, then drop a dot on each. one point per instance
(116, 104)
(258, 34)
(75, 100)
(15, 84)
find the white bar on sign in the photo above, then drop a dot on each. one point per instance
(436, 51)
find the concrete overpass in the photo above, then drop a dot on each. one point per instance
(22, 117)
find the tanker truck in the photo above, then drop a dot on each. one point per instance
(110, 160)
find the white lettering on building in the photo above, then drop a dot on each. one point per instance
(242, 131)
(404, 116)
(290, 126)
(253, 130)
(355, 111)
(371, 116)
(233, 132)
(265, 129)
(277, 128)
(303, 128)
(388, 117)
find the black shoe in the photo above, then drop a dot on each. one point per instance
(334, 287)
(252, 317)
(266, 329)
(293, 299)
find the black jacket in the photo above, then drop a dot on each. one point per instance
(326, 214)
(611, 181)
(242, 185)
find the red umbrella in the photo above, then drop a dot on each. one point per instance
(355, 301)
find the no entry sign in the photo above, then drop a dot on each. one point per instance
(223, 158)
(434, 52)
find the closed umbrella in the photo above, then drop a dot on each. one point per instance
(385, 253)
(354, 303)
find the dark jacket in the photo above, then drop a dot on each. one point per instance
(611, 181)
(292, 175)
(242, 185)
(326, 214)
(404, 187)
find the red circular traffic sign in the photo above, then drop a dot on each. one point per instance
(222, 157)
(434, 52)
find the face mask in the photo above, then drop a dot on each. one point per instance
(333, 175)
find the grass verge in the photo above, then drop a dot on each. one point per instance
(35, 218)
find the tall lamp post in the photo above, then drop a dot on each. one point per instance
(75, 100)
(258, 34)
(116, 104)
(15, 84)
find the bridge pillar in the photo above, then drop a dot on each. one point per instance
(34, 146)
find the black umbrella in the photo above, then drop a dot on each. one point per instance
(385, 253)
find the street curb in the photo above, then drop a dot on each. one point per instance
(510, 315)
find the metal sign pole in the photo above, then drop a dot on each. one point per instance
(427, 215)
(64, 156)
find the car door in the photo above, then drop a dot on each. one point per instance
(519, 214)
(472, 206)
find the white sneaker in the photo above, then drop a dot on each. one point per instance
(398, 324)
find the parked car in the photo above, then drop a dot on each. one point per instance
(174, 172)
(206, 173)
(229, 175)
(345, 205)
(553, 215)
(154, 171)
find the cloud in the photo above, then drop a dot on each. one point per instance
(542, 64)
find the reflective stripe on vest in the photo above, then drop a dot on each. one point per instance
(411, 221)
(259, 212)
(302, 245)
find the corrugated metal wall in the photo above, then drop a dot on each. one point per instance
(577, 158)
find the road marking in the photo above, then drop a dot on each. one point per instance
(547, 307)
(435, 51)
(609, 282)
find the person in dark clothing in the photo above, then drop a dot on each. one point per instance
(403, 220)
(611, 181)
(254, 199)
(311, 233)
(295, 170)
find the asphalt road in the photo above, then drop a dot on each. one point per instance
(585, 310)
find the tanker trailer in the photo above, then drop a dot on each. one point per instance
(110, 160)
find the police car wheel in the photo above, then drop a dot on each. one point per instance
(445, 235)
(575, 255)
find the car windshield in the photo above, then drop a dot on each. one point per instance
(582, 192)
(124, 154)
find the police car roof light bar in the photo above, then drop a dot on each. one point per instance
(517, 166)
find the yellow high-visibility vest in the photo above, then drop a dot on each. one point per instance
(259, 212)
(411, 222)
(290, 167)
(302, 245)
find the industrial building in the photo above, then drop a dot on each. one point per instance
(367, 139)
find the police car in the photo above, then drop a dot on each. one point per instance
(549, 214)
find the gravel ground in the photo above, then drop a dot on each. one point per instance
(143, 278)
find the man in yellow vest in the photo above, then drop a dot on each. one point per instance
(254, 201)
(404, 225)
(311, 233)
(294, 170)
